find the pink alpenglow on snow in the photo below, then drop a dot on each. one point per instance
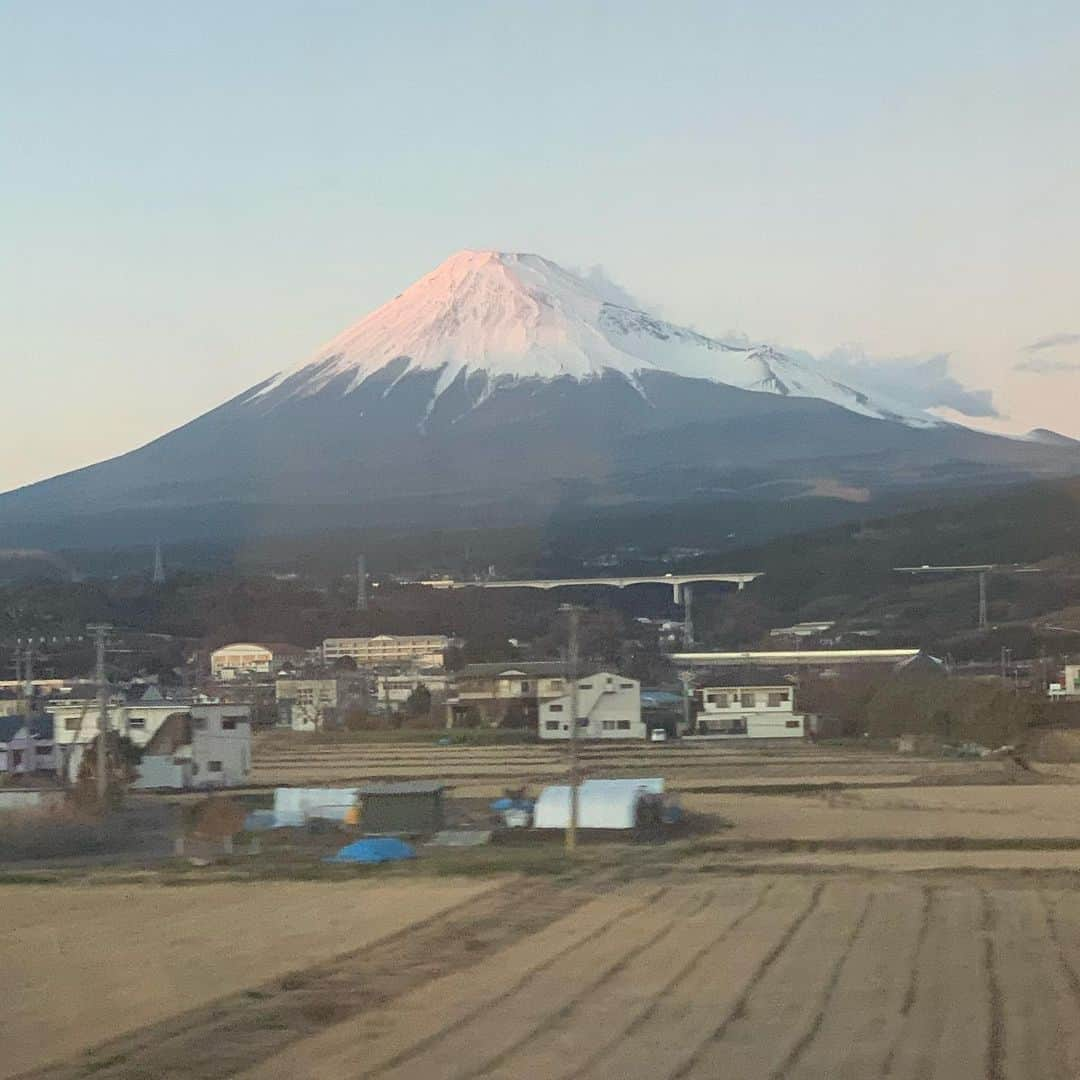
(521, 316)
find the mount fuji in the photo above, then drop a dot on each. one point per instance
(505, 318)
(498, 387)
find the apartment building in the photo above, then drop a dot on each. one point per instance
(425, 650)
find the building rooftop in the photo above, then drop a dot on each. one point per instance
(554, 668)
(403, 787)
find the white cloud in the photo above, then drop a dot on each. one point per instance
(1047, 365)
(921, 382)
(611, 290)
(1053, 341)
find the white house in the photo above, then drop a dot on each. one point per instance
(609, 707)
(1070, 685)
(207, 747)
(77, 721)
(26, 745)
(750, 712)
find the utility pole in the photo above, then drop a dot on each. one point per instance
(983, 620)
(100, 631)
(687, 680)
(361, 583)
(28, 674)
(574, 614)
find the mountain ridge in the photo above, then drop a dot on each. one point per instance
(526, 390)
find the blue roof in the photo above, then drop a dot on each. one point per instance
(41, 726)
(10, 726)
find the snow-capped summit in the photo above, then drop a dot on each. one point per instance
(520, 316)
(501, 389)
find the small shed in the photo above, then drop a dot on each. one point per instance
(410, 807)
(602, 804)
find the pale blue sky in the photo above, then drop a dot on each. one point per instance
(196, 195)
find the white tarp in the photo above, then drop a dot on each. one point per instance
(602, 804)
(294, 806)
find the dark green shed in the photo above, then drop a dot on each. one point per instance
(410, 808)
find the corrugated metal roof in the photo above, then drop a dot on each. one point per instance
(526, 667)
(404, 787)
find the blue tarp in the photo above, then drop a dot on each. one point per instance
(506, 803)
(374, 849)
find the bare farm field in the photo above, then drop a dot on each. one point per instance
(485, 771)
(78, 964)
(837, 913)
(796, 977)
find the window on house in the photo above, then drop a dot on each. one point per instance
(44, 749)
(524, 687)
(552, 725)
(585, 686)
(626, 686)
(214, 766)
(555, 708)
(624, 725)
(749, 699)
(137, 722)
(776, 700)
(791, 724)
(228, 724)
(609, 725)
(71, 724)
(583, 721)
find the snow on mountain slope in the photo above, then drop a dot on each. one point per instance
(520, 316)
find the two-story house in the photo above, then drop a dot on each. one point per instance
(608, 707)
(750, 712)
(504, 694)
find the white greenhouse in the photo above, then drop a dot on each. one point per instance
(602, 804)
